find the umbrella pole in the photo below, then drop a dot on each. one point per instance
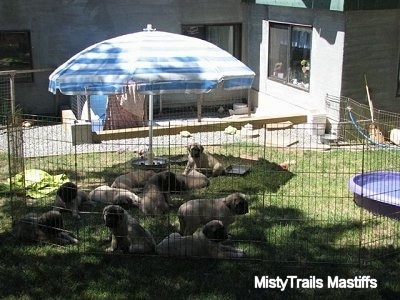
(88, 105)
(199, 105)
(249, 103)
(150, 154)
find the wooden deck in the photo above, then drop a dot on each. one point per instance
(194, 126)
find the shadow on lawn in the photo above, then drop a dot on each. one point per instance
(285, 235)
(43, 272)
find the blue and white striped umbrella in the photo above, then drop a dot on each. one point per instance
(159, 62)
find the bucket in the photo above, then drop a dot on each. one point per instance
(240, 108)
(395, 136)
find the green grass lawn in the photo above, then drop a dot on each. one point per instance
(302, 221)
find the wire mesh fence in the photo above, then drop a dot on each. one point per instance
(5, 96)
(295, 186)
(352, 120)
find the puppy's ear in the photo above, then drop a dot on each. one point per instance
(201, 148)
(162, 179)
(189, 147)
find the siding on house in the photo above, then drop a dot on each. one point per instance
(314, 4)
(346, 45)
(338, 5)
(60, 29)
(372, 46)
(326, 57)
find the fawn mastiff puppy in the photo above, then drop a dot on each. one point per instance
(194, 180)
(127, 234)
(133, 180)
(47, 227)
(194, 213)
(203, 162)
(69, 197)
(205, 242)
(108, 195)
(156, 192)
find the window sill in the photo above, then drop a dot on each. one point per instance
(298, 86)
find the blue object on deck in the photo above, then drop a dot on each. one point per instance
(98, 104)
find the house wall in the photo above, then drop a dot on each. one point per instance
(316, 4)
(372, 48)
(326, 58)
(61, 28)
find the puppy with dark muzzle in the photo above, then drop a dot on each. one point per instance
(133, 180)
(47, 227)
(127, 235)
(205, 242)
(156, 199)
(197, 212)
(69, 197)
(203, 162)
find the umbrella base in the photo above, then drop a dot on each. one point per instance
(158, 164)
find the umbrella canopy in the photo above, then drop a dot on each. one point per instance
(158, 62)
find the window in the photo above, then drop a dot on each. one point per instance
(227, 37)
(289, 54)
(15, 53)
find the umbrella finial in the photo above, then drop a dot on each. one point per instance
(149, 28)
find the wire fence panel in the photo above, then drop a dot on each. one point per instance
(5, 97)
(284, 195)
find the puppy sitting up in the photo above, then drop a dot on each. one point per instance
(194, 213)
(127, 234)
(203, 162)
(69, 197)
(205, 242)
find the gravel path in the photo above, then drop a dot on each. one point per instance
(56, 139)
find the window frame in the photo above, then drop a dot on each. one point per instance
(201, 31)
(286, 77)
(21, 41)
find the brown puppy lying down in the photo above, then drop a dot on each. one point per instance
(194, 213)
(133, 180)
(205, 242)
(194, 180)
(69, 197)
(108, 195)
(47, 227)
(156, 193)
(203, 162)
(127, 234)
